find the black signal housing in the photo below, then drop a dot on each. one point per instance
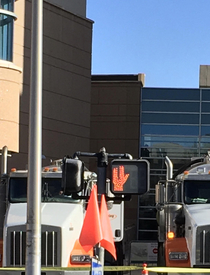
(130, 176)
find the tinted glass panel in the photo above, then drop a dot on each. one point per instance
(205, 119)
(196, 192)
(147, 212)
(184, 141)
(6, 37)
(148, 236)
(7, 5)
(206, 107)
(160, 176)
(165, 106)
(206, 94)
(178, 163)
(50, 192)
(205, 140)
(160, 153)
(170, 118)
(170, 94)
(147, 199)
(203, 151)
(170, 130)
(205, 130)
(164, 148)
(145, 224)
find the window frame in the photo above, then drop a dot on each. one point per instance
(7, 33)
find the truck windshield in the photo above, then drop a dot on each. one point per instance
(196, 191)
(51, 190)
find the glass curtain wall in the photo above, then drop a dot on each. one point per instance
(7, 18)
(174, 123)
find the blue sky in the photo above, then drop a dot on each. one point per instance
(165, 39)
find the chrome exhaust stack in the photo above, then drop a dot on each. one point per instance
(169, 168)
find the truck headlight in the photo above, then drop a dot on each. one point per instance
(80, 259)
(178, 256)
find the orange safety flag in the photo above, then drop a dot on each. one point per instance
(91, 232)
(107, 242)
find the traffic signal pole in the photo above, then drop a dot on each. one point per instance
(33, 224)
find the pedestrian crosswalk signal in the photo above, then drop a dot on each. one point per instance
(130, 176)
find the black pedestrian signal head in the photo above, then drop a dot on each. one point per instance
(130, 176)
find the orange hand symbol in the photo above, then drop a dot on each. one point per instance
(120, 180)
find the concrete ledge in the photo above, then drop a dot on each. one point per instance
(9, 65)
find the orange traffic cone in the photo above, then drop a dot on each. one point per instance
(144, 271)
(91, 232)
(107, 242)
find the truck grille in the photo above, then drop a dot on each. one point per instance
(50, 246)
(203, 245)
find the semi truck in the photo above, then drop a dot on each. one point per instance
(61, 220)
(183, 215)
(64, 197)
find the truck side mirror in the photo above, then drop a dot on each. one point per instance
(130, 176)
(72, 176)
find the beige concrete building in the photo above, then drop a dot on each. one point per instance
(115, 122)
(204, 76)
(67, 45)
(76, 115)
(115, 103)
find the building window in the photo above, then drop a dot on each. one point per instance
(7, 18)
